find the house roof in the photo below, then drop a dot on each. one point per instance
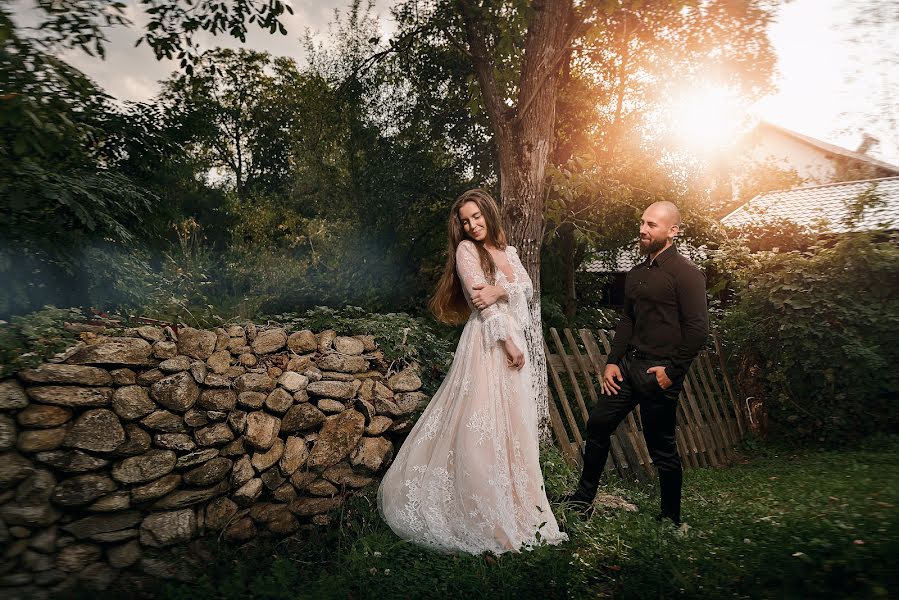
(827, 204)
(620, 261)
(626, 258)
(887, 168)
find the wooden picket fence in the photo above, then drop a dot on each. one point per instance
(710, 420)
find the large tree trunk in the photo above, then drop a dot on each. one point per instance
(524, 136)
(522, 191)
(524, 133)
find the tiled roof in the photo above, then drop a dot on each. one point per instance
(613, 262)
(825, 205)
(886, 168)
(625, 259)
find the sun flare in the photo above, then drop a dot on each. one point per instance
(706, 118)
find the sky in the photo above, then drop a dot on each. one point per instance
(832, 76)
(133, 73)
(831, 81)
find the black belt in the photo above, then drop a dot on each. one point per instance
(640, 355)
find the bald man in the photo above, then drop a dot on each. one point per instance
(664, 325)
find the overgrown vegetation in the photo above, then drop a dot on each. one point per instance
(29, 340)
(822, 325)
(255, 184)
(816, 524)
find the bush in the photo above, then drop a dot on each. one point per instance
(173, 287)
(194, 282)
(823, 326)
(28, 340)
(593, 311)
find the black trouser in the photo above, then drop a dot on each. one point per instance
(658, 413)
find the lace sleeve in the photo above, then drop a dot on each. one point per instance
(493, 318)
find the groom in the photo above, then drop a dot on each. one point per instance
(664, 325)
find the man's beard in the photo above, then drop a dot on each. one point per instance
(652, 246)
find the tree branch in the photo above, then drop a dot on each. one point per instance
(395, 47)
(455, 43)
(483, 64)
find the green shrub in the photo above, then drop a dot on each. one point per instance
(823, 327)
(28, 340)
(174, 287)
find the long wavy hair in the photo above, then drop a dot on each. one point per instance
(448, 304)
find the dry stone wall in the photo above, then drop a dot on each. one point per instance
(125, 445)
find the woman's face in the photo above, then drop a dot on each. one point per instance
(473, 221)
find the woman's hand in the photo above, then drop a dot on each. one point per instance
(483, 295)
(514, 356)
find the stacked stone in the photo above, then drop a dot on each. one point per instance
(123, 445)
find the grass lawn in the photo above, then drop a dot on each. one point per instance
(810, 524)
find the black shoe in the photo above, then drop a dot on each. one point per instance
(674, 519)
(574, 496)
(581, 507)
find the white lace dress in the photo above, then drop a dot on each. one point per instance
(468, 476)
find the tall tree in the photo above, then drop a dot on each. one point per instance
(478, 70)
(59, 188)
(609, 67)
(242, 97)
(522, 110)
(514, 51)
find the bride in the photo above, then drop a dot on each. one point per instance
(468, 476)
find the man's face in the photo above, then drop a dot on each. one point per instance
(656, 229)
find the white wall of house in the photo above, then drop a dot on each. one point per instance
(783, 150)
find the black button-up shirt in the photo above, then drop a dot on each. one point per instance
(665, 312)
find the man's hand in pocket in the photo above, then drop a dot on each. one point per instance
(661, 377)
